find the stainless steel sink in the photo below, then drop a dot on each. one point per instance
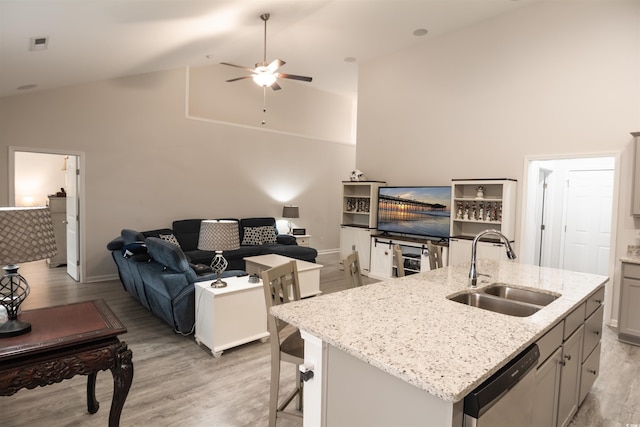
(505, 291)
(495, 304)
(505, 299)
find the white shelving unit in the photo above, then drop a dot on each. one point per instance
(359, 219)
(473, 212)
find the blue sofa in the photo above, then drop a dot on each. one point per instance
(161, 273)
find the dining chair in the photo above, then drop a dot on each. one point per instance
(435, 255)
(351, 265)
(281, 285)
(398, 260)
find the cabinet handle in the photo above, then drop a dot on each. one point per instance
(566, 356)
(592, 371)
(599, 301)
(596, 333)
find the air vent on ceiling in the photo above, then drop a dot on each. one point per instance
(38, 43)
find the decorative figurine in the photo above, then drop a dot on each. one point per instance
(480, 192)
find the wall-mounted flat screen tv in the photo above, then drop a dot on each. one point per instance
(415, 211)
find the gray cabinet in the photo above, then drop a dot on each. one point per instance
(545, 409)
(629, 318)
(636, 177)
(569, 363)
(570, 377)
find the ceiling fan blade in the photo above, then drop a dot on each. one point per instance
(238, 78)
(275, 86)
(237, 66)
(275, 64)
(294, 77)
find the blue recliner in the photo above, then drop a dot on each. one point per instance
(162, 279)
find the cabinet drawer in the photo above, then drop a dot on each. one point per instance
(631, 270)
(592, 332)
(590, 371)
(550, 342)
(595, 301)
(574, 320)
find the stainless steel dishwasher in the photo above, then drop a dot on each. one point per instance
(506, 398)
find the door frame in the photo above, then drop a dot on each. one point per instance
(525, 209)
(81, 196)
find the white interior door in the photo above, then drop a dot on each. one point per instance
(588, 221)
(73, 249)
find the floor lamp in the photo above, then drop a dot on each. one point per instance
(26, 234)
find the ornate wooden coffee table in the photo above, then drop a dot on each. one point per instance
(65, 341)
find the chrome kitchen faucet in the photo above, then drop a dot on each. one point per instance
(473, 273)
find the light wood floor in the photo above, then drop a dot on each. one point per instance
(178, 383)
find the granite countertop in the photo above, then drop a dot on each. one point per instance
(631, 259)
(408, 328)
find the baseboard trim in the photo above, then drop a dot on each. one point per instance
(329, 251)
(104, 278)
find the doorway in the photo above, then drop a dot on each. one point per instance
(40, 177)
(569, 217)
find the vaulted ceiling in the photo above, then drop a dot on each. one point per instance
(91, 40)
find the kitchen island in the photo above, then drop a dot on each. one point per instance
(400, 352)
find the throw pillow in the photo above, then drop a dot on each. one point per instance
(169, 238)
(268, 234)
(252, 236)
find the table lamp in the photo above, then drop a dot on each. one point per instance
(26, 234)
(290, 212)
(218, 235)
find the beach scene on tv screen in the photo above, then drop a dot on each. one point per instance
(422, 211)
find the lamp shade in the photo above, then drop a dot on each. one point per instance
(26, 234)
(290, 212)
(218, 235)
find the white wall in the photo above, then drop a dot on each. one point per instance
(146, 164)
(553, 78)
(37, 176)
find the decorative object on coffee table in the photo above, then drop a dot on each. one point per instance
(290, 212)
(26, 235)
(219, 235)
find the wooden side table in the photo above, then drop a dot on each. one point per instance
(230, 316)
(65, 341)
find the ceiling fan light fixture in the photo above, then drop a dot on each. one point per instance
(263, 77)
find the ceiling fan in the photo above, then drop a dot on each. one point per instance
(265, 74)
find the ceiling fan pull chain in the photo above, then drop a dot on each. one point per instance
(264, 105)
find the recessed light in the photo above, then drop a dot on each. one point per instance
(349, 59)
(27, 87)
(420, 32)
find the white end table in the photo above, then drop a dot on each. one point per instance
(230, 316)
(303, 240)
(308, 272)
